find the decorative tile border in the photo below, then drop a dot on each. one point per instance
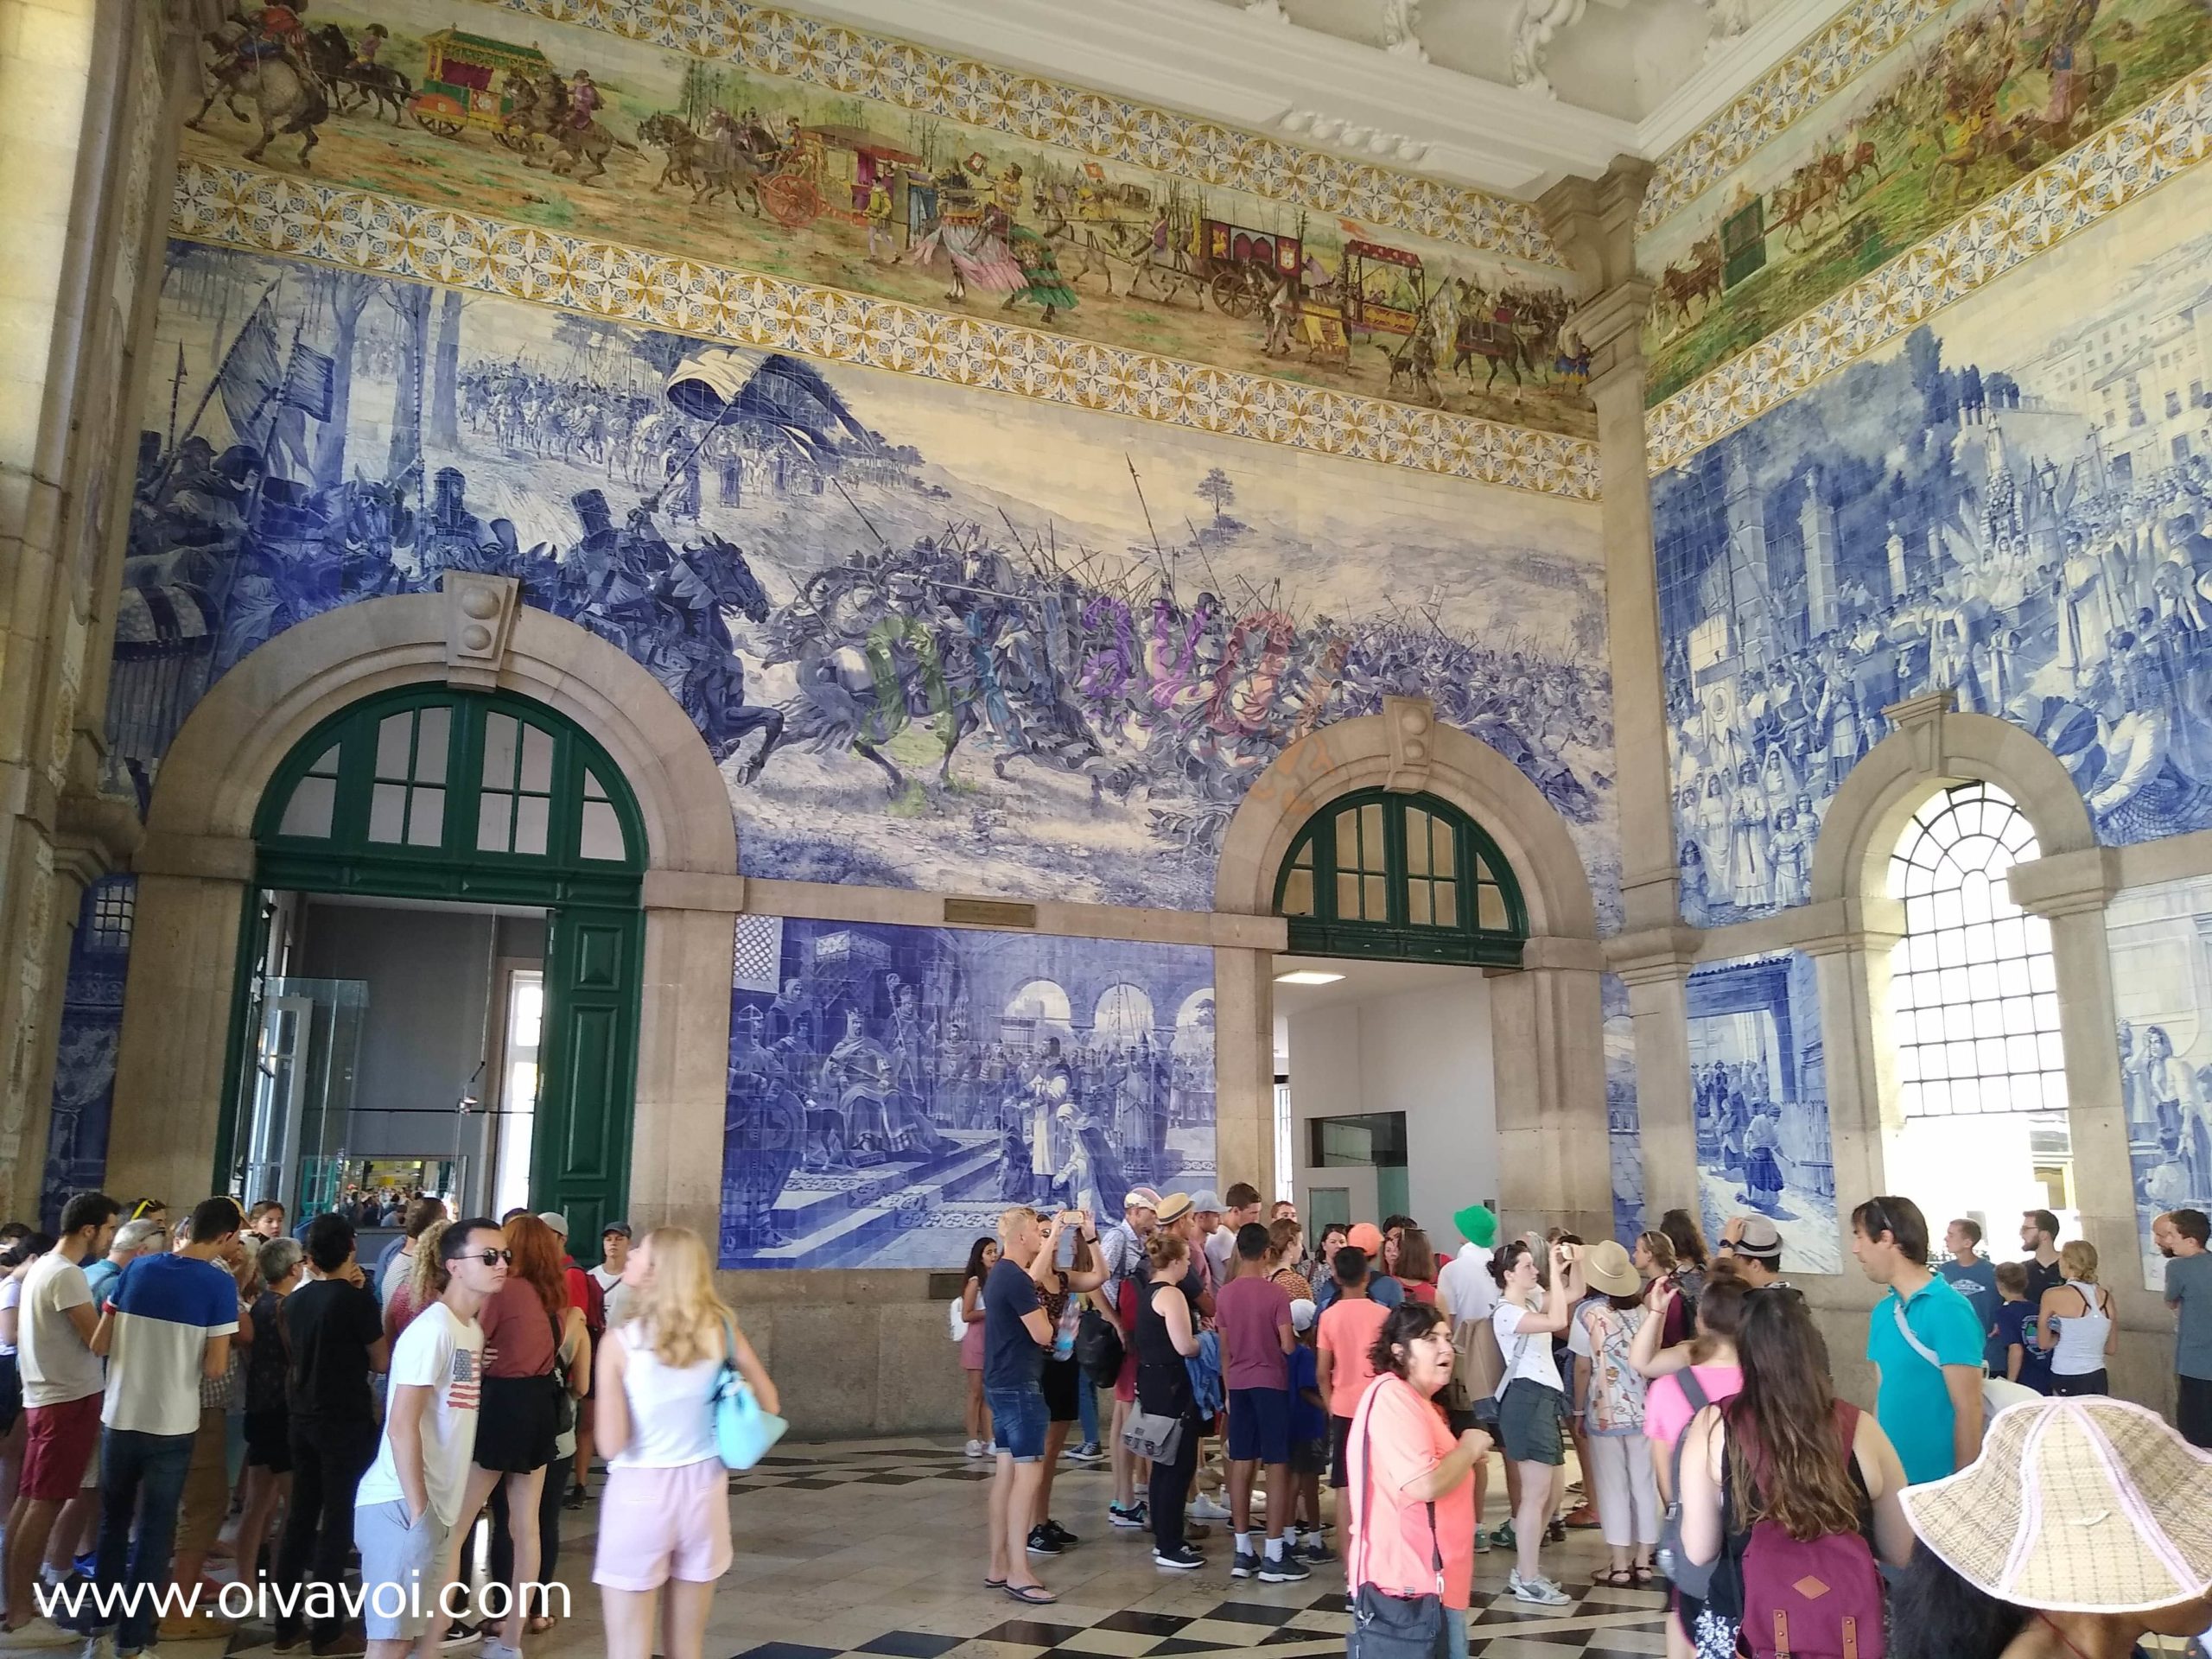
(1852, 41)
(915, 77)
(294, 218)
(2167, 136)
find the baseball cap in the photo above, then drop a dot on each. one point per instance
(1365, 1236)
(1141, 1197)
(1206, 1201)
(1759, 1237)
(556, 1220)
(621, 1227)
(1301, 1314)
(1173, 1207)
(1477, 1224)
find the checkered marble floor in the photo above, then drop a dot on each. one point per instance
(876, 1548)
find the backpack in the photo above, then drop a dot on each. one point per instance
(1817, 1599)
(1477, 1365)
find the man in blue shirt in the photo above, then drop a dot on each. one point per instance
(1976, 1280)
(1925, 1341)
(1016, 1335)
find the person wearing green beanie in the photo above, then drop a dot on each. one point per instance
(1477, 1224)
(1467, 1294)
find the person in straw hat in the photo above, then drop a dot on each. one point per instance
(2081, 1529)
(1609, 1399)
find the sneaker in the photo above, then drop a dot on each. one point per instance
(1130, 1519)
(194, 1627)
(1061, 1535)
(1198, 1532)
(1184, 1559)
(1205, 1506)
(1087, 1453)
(495, 1649)
(574, 1500)
(1505, 1538)
(38, 1632)
(1244, 1566)
(1316, 1553)
(1042, 1542)
(973, 1449)
(1482, 1542)
(1285, 1568)
(1540, 1590)
(1556, 1533)
(459, 1634)
(348, 1642)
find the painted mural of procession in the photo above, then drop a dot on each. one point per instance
(2160, 938)
(1978, 97)
(2028, 531)
(1759, 1091)
(993, 674)
(582, 130)
(892, 1089)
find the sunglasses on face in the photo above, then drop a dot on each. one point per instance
(490, 1258)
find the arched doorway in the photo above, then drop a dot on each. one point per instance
(461, 803)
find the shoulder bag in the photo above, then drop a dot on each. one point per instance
(743, 1430)
(1385, 1626)
(1997, 1392)
(1692, 1578)
(564, 1403)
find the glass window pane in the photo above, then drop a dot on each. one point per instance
(595, 791)
(1370, 835)
(426, 818)
(1374, 899)
(499, 751)
(388, 813)
(1417, 901)
(1490, 908)
(325, 764)
(1416, 842)
(1441, 839)
(307, 813)
(1348, 840)
(602, 831)
(430, 745)
(1447, 903)
(393, 733)
(532, 812)
(536, 757)
(494, 811)
(1305, 859)
(1347, 897)
(1298, 894)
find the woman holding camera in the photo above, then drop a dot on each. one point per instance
(1076, 1269)
(1530, 1409)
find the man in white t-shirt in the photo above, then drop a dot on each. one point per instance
(615, 1249)
(409, 1504)
(1465, 1289)
(63, 1384)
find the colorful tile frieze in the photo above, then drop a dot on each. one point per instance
(269, 212)
(2121, 164)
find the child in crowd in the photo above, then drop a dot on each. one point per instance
(2015, 1338)
(1309, 1435)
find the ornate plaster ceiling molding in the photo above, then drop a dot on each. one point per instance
(294, 217)
(2164, 139)
(1246, 66)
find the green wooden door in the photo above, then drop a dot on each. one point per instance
(579, 1158)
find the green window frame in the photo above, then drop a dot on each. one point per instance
(436, 793)
(1404, 877)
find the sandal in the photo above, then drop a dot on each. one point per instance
(537, 1624)
(1034, 1595)
(1616, 1578)
(1643, 1577)
(993, 1584)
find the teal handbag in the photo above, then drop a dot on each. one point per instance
(743, 1432)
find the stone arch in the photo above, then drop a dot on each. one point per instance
(196, 869)
(1932, 745)
(1406, 749)
(211, 780)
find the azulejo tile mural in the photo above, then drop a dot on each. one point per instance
(892, 1089)
(269, 212)
(1759, 1083)
(2160, 938)
(1624, 1123)
(937, 637)
(809, 153)
(2010, 508)
(1988, 101)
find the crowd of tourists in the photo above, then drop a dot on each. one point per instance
(1996, 1503)
(159, 1373)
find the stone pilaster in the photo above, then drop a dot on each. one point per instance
(1554, 1166)
(676, 1159)
(1655, 967)
(1593, 222)
(1851, 965)
(1244, 1066)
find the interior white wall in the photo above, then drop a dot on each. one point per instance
(1425, 1054)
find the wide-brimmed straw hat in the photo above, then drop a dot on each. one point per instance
(2080, 1505)
(1609, 1271)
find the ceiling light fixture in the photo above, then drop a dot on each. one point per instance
(1307, 976)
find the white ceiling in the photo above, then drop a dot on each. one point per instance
(1363, 981)
(1616, 77)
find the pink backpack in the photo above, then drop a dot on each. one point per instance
(1821, 1598)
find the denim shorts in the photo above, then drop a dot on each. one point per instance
(1018, 1422)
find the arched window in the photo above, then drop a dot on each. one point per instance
(1404, 876)
(452, 793)
(1973, 1014)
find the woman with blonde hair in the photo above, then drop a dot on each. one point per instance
(664, 1515)
(2079, 1332)
(424, 1283)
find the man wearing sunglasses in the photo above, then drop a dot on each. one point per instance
(410, 1501)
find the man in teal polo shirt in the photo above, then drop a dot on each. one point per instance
(1931, 1361)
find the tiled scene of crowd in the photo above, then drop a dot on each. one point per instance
(228, 1434)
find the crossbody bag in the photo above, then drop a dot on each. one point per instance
(1385, 1626)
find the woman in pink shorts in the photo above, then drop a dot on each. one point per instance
(665, 1515)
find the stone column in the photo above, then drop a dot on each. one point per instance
(1593, 222)
(1244, 1066)
(683, 1093)
(1851, 963)
(1655, 967)
(1553, 1165)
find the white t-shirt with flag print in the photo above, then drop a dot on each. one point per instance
(445, 1354)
